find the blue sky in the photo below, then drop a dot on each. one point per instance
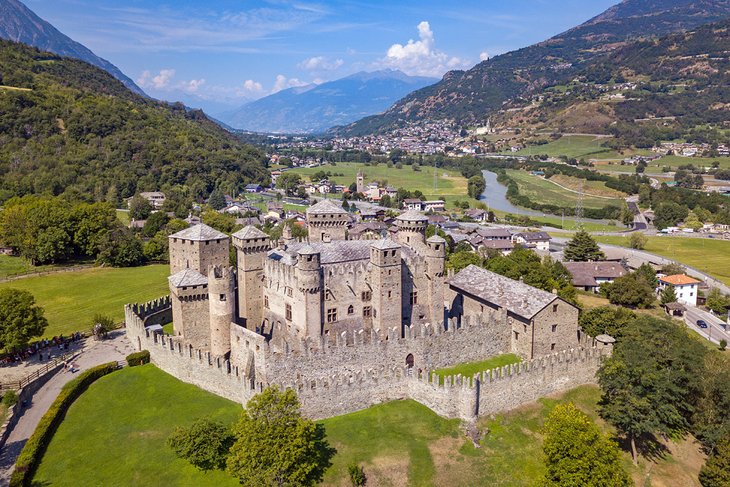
(232, 51)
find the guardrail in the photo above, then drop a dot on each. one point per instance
(19, 384)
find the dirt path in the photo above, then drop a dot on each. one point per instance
(95, 353)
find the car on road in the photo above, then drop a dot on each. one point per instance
(701, 323)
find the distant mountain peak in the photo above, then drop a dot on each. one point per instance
(20, 24)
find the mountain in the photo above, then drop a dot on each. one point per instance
(673, 87)
(473, 95)
(315, 108)
(18, 23)
(67, 127)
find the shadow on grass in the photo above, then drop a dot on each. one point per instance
(648, 446)
(324, 451)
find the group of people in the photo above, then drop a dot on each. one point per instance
(44, 348)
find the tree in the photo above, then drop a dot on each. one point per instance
(101, 326)
(627, 217)
(217, 200)
(462, 259)
(630, 290)
(710, 421)
(608, 320)
(717, 302)
(673, 269)
(647, 272)
(20, 319)
(475, 186)
(289, 182)
(121, 248)
(155, 223)
(669, 214)
(205, 444)
(275, 445)
(716, 470)
(577, 453)
(692, 221)
(649, 384)
(668, 295)
(637, 240)
(582, 248)
(139, 208)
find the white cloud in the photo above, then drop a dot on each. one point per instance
(157, 82)
(320, 63)
(282, 82)
(191, 86)
(420, 57)
(253, 86)
(484, 56)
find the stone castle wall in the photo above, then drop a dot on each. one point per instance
(355, 371)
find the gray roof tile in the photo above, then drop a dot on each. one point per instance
(187, 277)
(248, 232)
(199, 232)
(325, 207)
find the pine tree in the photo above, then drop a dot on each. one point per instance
(582, 248)
(716, 471)
(668, 295)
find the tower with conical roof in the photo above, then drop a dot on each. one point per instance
(251, 247)
(327, 221)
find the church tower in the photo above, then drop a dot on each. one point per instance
(360, 182)
(385, 279)
(251, 247)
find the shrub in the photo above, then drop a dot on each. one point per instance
(357, 475)
(36, 445)
(138, 358)
(10, 398)
(723, 346)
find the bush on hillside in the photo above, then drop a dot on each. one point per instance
(34, 448)
(138, 358)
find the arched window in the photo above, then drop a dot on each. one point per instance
(350, 309)
(410, 361)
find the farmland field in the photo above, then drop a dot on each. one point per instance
(543, 191)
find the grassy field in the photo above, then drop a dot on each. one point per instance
(708, 255)
(543, 191)
(469, 369)
(123, 216)
(11, 266)
(448, 185)
(71, 299)
(113, 437)
(571, 224)
(573, 146)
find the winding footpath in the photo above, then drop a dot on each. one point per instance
(95, 353)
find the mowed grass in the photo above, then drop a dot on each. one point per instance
(71, 299)
(572, 146)
(469, 369)
(11, 266)
(447, 185)
(543, 191)
(114, 434)
(711, 256)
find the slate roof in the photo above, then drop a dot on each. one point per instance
(494, 233)
(515, 296)
(535, 236)
(325, 207)
(586, 273)
(412, 216)
(330, 252)
(498, 244)
(384, 244)
(187, 278)
(199, 232)
(250, 232)
(436, 239)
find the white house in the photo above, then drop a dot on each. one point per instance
(533, 240)
(684, 286)
(434, 205)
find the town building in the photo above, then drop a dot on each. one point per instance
(684, 286)
(589, 276)
(533, 240)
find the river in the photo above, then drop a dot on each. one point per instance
(495, 196)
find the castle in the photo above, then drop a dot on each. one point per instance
(376, 315)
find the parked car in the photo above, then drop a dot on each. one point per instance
(701, 323)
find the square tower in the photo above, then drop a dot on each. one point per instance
(199, 248)
(327, 221)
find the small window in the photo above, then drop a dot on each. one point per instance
(555, 328)
(331, 315)
(222, 297)
(414, 297)
(367, 295)
(375, 313)
(288, 312)
(289, 291)
(517, 335)
(552, 346)
(555, 308)
(525, 327)
(389, 294)
(367, 312)
(266, 302)
(350, 309)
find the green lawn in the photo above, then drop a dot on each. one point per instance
(543, 191)
(11, 266)
(469, 369)
(570, 224)
(448, 185)
(71, 299)
(573, 146)
(708, 255)
(123, 216)
(114, 434)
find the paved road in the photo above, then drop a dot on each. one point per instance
(715, 330)
(95, 353)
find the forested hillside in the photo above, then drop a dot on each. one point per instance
(69, 127)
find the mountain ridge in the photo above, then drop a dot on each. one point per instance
(471, 96)
(18, 23)
(316, 108)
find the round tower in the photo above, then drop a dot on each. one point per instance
(307, 309)
(412, 228)
(308, 264)
(222, 299)
(435, 256)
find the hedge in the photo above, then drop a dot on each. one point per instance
(36, 445)
(138, 358)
